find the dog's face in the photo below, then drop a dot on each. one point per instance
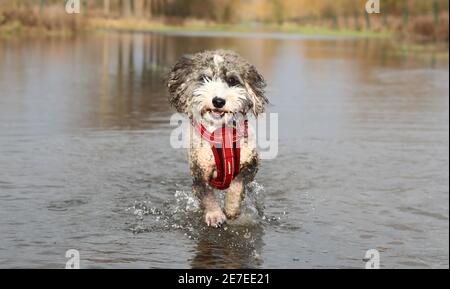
(216, 86)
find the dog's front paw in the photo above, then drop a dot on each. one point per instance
(232, 214)
(215, 218)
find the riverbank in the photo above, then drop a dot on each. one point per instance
(82, 25)
(63, 26)
(202, 26)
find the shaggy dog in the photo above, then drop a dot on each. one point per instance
(217, 89)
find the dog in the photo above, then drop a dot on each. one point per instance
(217, 90)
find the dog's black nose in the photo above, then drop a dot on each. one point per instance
(218, 102)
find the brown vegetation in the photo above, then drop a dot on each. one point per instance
(418, 20)
(52, 19)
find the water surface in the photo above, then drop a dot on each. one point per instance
(85, 160)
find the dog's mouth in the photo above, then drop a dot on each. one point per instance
(217, 113)
(220, 115)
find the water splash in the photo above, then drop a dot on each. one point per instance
(183, 212)
(186, 202)
(241, 240)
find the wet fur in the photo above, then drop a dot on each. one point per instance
(192, 82)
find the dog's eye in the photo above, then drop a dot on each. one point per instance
(204, 77)
(233, 81)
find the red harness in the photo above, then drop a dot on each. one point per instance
(225, 145)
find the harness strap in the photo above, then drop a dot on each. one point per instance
(225, 147)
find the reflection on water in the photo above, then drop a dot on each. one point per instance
(229, 249)
(85, 161)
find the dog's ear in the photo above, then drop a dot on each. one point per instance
(255, 85)
(177, 83)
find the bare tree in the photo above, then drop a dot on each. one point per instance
(106, 7)
(126, 6)
(139, 8)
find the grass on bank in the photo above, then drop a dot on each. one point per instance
(51, 23)
(17, 29)
(200, 26)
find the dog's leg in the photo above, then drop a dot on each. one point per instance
(234, 197)
(213, 213)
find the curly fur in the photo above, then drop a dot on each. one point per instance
(193, 83)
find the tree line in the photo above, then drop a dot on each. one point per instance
(232, 11)
(426, 18)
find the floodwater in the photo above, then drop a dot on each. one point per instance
(86, 164)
